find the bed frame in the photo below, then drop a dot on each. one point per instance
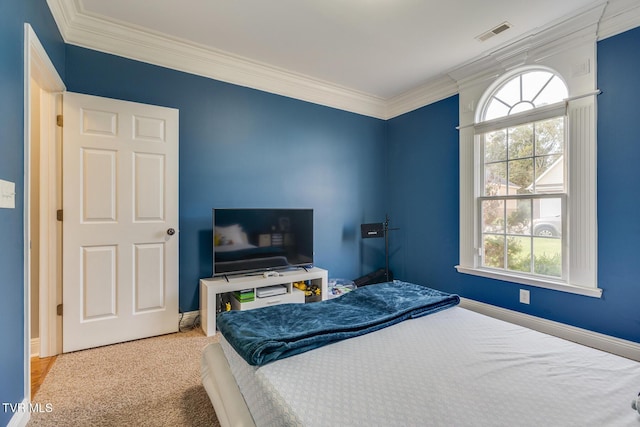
(223, 390)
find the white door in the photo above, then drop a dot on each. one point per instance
(120, 208)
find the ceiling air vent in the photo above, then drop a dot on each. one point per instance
(494, 31)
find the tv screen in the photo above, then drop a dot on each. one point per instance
(249, 240)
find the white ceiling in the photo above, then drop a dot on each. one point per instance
(377, 50)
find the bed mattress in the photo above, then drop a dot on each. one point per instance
(454, 367)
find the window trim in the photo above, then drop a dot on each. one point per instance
(580, 112)
(539, 114)
(556, 285)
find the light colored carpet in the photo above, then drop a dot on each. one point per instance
(149, 382)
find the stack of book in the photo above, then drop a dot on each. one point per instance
(246, 295)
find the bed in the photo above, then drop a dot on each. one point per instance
(448, 366)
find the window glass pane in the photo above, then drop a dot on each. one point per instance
(549, 136)
(495, 179)
(555, 91)
(495, 146)
(521, 106)
(496, 109)
(521, 141)
(549, 174)
(520, 177)
(547, 256)
(493, 249)
(493, 216)
(533, 82)
(547, 217)
(519, 216)
(510, 92)
(519, 254)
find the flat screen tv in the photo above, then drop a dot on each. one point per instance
(250, 240)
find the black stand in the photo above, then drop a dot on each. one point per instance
(386, 247)
(377, 230)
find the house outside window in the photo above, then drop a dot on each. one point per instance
(528, 168)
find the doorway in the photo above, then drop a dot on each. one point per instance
(42, 102)
(121, 220)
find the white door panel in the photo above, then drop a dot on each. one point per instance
(98, 185)
(149, 283)
(148, 187)
(120, 196)
(98, 283)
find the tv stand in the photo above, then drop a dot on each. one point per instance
(211, 288)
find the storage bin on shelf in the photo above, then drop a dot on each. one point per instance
(311, 291)
(338, 287)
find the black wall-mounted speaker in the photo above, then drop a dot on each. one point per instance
(372, 230)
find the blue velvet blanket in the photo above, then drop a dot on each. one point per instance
(263, 335)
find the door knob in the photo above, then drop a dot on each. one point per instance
(171, 232)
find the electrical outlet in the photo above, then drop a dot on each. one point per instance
(524, 296)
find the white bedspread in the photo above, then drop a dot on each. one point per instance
(451, 368)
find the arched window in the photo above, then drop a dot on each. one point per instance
(526, 91)
(522, 200)
(528, 190)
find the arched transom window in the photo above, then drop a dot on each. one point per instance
(524, 92)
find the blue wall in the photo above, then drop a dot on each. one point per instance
(423, 170)
(241, 147)
(13, 15)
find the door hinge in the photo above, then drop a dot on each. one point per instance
(59, 310)
(59, 214)
(59, 120)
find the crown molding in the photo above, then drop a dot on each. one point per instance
(432, 91)
(558, 37)
(81, 29)
(600, 20)
(619, 16)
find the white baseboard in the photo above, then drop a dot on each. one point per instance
(624, 348)
(35, 347)
(188, 319)
(20, 417)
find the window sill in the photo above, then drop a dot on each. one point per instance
(525, 280)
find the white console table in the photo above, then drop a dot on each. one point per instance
(210, 288)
